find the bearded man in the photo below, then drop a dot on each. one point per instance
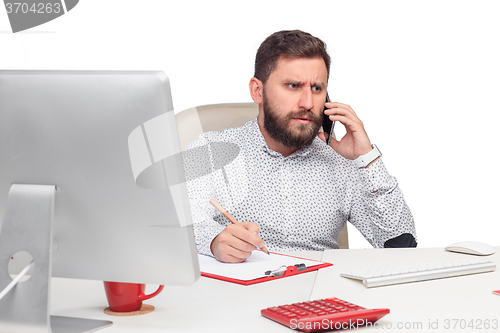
(293, 191)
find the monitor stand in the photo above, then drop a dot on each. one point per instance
(27, 226)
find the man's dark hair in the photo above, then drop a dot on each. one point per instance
(289, 44)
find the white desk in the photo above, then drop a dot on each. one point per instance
(216, 306)
(415, 307)
(209, 305)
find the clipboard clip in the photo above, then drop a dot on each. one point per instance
(286, 270)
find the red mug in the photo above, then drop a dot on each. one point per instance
(127, 297)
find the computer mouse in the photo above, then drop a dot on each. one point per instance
(476, 248)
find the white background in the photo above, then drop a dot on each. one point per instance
(424, 76)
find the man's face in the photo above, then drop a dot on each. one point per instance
(293, 101)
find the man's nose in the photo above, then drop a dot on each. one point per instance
(306, 100)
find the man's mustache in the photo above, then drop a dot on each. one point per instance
(304, 114)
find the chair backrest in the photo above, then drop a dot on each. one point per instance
(217, 117)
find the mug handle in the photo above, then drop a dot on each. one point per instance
(143, 297)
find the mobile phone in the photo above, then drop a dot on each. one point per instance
(328, 125)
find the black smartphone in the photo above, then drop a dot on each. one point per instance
(328, 125)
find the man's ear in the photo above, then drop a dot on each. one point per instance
(256, 90)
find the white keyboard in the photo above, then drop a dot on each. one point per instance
(420, 272)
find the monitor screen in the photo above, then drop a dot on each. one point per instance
(108, 142)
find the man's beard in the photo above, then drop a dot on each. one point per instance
(295, 136)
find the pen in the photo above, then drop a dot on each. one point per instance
(230, 218)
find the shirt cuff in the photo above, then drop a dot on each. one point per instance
(376, 178)
(206, 237)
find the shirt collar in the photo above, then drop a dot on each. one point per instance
(261, 142)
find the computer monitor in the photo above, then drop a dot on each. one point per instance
(103, 151)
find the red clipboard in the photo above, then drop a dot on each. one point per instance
(290, 270)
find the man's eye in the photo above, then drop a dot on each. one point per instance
(314, 88)
(292, 85)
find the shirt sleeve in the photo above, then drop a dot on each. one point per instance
(379, 210)
(199, 172)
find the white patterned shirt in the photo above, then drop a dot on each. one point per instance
(300, 202)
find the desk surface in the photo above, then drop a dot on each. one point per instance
(216, 306)
(464, 303)
(209, 305)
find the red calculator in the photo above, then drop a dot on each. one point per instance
(324, 314)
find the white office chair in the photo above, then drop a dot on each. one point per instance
(217, 117)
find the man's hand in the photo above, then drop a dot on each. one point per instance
(236, 242)
(355, 142)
